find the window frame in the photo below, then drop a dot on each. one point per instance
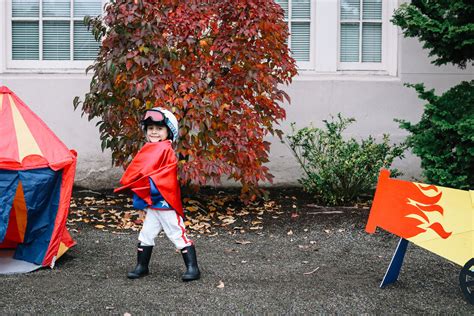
(364, 65)
(289, 20)
(325, 43)
(324, 46)
(54, 65)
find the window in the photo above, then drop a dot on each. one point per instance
(51, 33)
(360, 38)
(298, 17)
(339, 36)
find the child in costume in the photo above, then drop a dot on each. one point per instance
(152, 177)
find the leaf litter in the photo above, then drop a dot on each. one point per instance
(209, 212)
(204, 213)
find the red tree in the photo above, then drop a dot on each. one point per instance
(216, 64)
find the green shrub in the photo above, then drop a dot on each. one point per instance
(444, 137)
(338, 171)
(445, 27)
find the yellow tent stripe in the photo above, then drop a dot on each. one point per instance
(1, 101)
(26, 142)
(62, 249)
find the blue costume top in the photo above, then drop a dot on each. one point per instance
(159, 202)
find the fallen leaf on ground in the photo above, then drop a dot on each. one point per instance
(192, 208)
(192, 202)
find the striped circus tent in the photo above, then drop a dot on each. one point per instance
(36, 178)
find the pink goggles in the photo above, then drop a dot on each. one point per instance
(154, 115)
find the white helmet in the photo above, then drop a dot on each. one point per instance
(161, 115)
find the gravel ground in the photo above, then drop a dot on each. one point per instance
(315, 263)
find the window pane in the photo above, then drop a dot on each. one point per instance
(349, 42)
(300, 39)
(85, 46)
(25, 8)
(372, 9)
(87, 7)
(25, 43)
(56, 43)
(284, 5)
(350, 9)
(300, 9)
(60, 8)
(372, 42)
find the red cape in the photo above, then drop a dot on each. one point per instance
(158, 162)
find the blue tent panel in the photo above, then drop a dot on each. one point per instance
(41, 189)
(8, 186)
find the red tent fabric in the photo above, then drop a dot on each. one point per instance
(36, 178)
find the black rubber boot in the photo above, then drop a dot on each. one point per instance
(192, 269)
(143, 259)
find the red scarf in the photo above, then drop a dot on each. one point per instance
(158, 162)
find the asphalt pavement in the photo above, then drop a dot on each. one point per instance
(313, 264)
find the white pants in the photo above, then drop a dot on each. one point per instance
(170, 222)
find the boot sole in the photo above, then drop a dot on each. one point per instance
(191, 278)
(136, 276)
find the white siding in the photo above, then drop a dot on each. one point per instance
(373, 100)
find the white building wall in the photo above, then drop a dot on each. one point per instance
(373, 100)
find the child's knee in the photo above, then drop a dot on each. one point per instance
(146, 239)
(180, 240)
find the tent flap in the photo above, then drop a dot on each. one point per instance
(41, 188)
(8, 186)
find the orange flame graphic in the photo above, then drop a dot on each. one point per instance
(401, 208)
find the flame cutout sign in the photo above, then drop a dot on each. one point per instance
(438, 219)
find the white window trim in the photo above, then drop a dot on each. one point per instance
(325, 41)
(310, 63)
(367, 66)
(44, 66)
(324, 48)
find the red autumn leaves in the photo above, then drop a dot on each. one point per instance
(218, 65)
